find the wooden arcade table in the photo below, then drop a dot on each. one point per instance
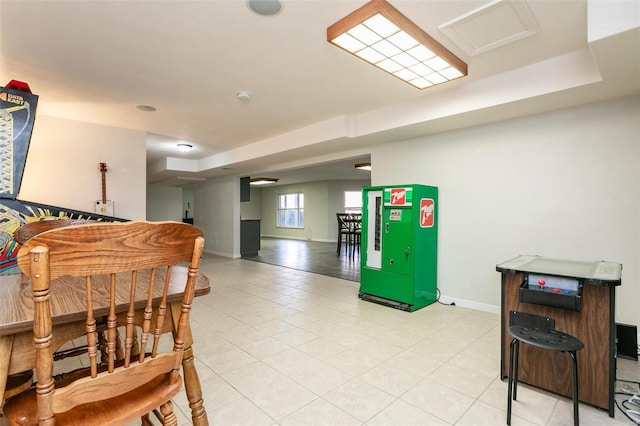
(582, 303)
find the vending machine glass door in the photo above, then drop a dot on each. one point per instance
(374, 229)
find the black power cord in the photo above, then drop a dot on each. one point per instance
(628, 410)
(442, 303)
(631, 406)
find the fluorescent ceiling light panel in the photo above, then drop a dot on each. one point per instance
(379, 34)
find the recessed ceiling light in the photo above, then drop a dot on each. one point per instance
(184, 147)
(243, 95)
(146, 108)
(265, 7)
(263, 181)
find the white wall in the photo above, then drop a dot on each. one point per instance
(315, 201)
(607, 17)
(565, 184)
(322, 201)
(164, 203)
(217, 214)
(252, 209)
(62, 166)
(217, 211)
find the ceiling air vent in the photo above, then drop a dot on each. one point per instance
(494, 25)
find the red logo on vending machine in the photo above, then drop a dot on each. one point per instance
(427, 213)
(398, 196)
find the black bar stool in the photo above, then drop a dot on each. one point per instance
(539, 331)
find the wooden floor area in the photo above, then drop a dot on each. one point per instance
(311, 256)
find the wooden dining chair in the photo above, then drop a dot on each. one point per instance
(18, 383)
(355, 229)
(31, 229)
(343, 231)
(22, 235)
(118, 391)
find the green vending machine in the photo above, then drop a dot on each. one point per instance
(399, 245)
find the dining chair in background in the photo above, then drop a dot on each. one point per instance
(349, 229)
(148, 376)
(343, 231)
(354, 222)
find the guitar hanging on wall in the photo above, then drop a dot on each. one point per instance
(104, 206)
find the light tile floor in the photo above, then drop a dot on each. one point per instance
(278, 346)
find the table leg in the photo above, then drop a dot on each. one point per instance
(6, 347)
(191, 379)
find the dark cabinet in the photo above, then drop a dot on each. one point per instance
(245, 189)
(249, 237)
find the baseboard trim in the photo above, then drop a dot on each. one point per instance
(471, 304)
(298, 238)
(222, 254)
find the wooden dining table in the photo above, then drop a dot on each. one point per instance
(17, 353)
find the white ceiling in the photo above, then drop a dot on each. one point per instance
(312, 103)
